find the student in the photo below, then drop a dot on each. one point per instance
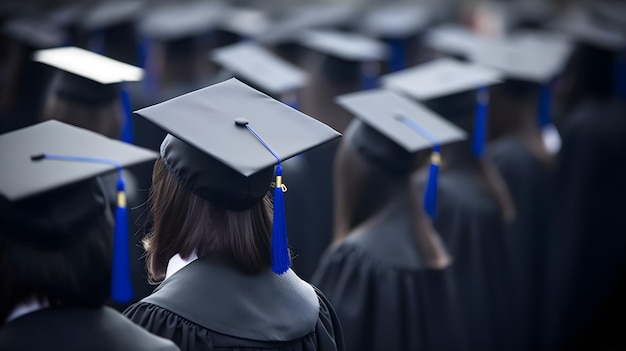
(221, 259)
(56, 247)
(387, 272)
(474, 203)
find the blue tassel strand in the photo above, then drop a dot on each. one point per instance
(121, 288)
(280, 248)
(397, 60)
(480, 122)
(369, 75)
(430, 194)
(545, 98)
(127, 113)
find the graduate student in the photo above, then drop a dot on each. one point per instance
(473, 201)
(60, 257)
(221, 260)
(524, 154)
(387, 271)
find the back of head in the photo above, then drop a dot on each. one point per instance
(184, 223)
(53, 255)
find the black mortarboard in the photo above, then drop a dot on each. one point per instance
(252, 63)
(453, 40)
(448, 87)
(246, 22)
(49, 190)
(406, 127)
(90, 78)
(110, 13)
(34, 33)
(224, 141)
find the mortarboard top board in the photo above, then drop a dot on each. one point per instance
(380, 110)
(22, 178)
(395, 20)
(181, 20)
(110, 13)
(66, 15)
(246, 22)
(347, 46)
(87, 76)
(439, 78)
(524, 58)
(221, 161)
(34, 33)
(254, 64)
(453, 39)
(580, 27)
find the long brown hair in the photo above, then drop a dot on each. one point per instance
(184, 222)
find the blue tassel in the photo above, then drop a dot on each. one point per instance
(127, 128)
(397, 60)
(480, 122)
(151, 79)
(430, 195)
(280, 248)
(369, 76)
(544, 105)
(121, 287)
(619, 76)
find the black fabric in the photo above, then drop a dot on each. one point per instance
(469, 221)
(385, 298)
(586, 254)
(79, 89)
(213, 294)
(530, 183)
(74, 329)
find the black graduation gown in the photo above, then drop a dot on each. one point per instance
(586, 257)
(469, 221)
(78, 329)
(384, 296)
(210, 305)
(530, 184)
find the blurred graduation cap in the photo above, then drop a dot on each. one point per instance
(111, 28)
(49, 192)
(394, 129)
(89, 78)
(396, 23)
(252, 63)
(348, 55)
(223, 144)
(534, 58)
(448, 87)
(453, 39)
(246, 22)
(34, 33)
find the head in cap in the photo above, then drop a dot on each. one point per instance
(453, 89)
(210, 186)
(88, 90)
(55, 223)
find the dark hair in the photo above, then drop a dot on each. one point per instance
(76, 274)
(184, 222)
(105, 119)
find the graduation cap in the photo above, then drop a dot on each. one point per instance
(347, 53)
(224, 141)
(254, 64)
(530, 57)
(49, 191)
(453, 39)
(246, 22)
(90, 78)
(395, 129)
(34, 33)
(396, 23)
(444, 79)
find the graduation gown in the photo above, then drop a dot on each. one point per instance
(469, 222)
(211, 305)
(385, 297)
(530, 184)
(586, 257)
(78, 329)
